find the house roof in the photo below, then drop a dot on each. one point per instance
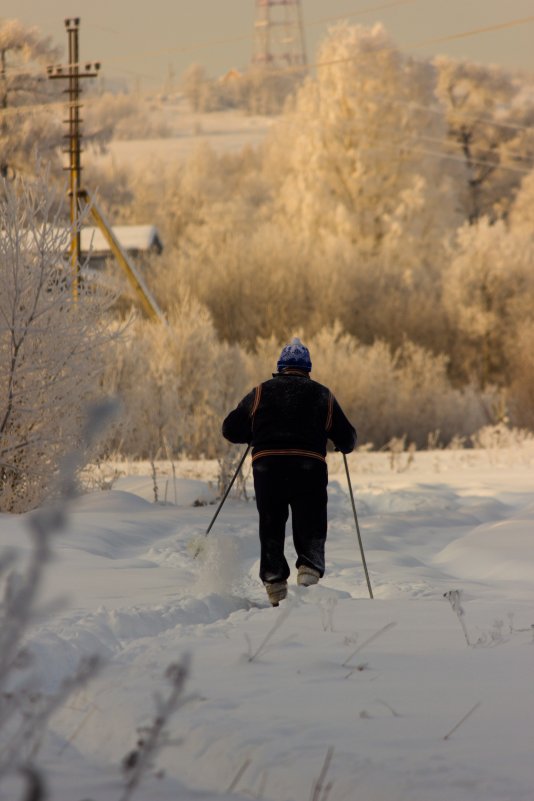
(139, 238)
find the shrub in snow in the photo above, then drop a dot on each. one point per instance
(501, 436)
(521, 391)
(385, 393)
(257, 91)
(228, 463)
(51, 346)
(488, 290)
(176, 383)
(122, 116)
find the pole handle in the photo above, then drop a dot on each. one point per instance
(357, 527)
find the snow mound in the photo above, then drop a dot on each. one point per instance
(502, 551)
(115, 501)
(182, 492)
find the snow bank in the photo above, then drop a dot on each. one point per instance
(375, 684)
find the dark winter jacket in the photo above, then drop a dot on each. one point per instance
(290, 415)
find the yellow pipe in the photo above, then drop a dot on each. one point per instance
(136, 280)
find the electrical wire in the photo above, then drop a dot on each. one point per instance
(395, 3)
(228, 40)
(200, 45)
(16, 111)
(500, 26)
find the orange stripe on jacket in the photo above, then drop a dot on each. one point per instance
(330, 414)
(256, 403)
(289, 452)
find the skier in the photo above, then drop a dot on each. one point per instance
(288, 420)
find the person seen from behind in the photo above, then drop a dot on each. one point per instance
(288, 420)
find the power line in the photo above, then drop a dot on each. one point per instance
(319, 65)
(423, 43)
(500, 26)
(366, 10)
(247, 37)
(200, 45)
(441, 110)
(359, 13)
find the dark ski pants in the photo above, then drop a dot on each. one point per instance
(299, 483)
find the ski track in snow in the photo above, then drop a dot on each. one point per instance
(135, 594)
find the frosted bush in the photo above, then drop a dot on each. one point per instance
(344, 214)
(51, 344)
(521, 392)
(501, 436)
(175, 384)
(257, 91)
(386, 393)
(488, 292)
(123, 116)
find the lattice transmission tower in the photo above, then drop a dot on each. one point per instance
(279, 39)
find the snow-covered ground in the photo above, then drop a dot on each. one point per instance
(224, 131)
(324, 694)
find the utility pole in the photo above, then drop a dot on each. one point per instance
(73, 73)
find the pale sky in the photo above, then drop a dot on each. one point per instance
(143, 39)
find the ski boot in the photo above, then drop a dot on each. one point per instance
(307, 576)
(276, 591)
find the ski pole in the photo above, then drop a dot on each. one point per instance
(225, 496)
(357, 526)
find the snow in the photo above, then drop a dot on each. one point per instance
(224, 131)
(262, 719)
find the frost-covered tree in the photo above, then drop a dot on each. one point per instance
(388, 393)
(175, 384)
(488, 291)
(520, 341)
(351, 153)
(488, 122)
(27, 126)
(122, 116)
(51, 345)
(522, 211)
(356, 183)
(257, 90)
(195, 86)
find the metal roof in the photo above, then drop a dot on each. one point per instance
(139, 238)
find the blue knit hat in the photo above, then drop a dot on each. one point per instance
(295, 355)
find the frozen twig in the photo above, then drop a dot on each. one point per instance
(235, 781)
(369, 640)
(388, 706)
(154, 737)
(320, 792)
(282, 617)
(454, 728)
(454, 597)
